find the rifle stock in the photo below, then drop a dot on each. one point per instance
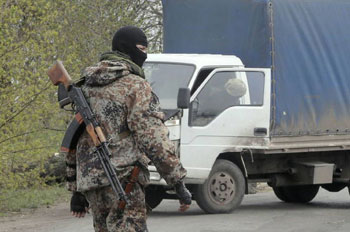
(58, 74)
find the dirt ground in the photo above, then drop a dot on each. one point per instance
(261, 212)
(58, 218)
(43, 219)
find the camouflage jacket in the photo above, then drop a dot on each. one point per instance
(129, 115)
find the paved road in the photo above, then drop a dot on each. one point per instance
(259, 212)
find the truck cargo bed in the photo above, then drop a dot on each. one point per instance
(305, 43)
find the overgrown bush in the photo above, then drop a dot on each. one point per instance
(55, 170)
(33, 35)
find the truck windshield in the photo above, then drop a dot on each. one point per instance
(166, 79)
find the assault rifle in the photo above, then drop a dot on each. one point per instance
(84, 119)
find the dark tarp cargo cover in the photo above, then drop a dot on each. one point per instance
(305, 42)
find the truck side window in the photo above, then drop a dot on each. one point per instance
(224, 90)
(200, 78)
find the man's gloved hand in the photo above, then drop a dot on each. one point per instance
(79, 206)
(184, 195)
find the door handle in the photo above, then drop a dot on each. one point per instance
(260, 131)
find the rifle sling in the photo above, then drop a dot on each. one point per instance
(129, 186)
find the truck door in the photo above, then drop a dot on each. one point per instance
(228, 112)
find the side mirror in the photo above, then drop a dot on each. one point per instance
(183, 98)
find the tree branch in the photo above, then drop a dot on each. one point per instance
(26, 105)
(19, 135)
(54, 129)
(24, 150)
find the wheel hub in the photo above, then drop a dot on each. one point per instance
(222, 188)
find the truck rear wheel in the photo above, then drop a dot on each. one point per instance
(296, 194)
(335, 187)
(280, 194)
(224, 189)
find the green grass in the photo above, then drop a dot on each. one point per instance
(16, 200)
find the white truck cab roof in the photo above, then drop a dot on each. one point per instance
(199, 60)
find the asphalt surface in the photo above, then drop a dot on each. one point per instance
(258, 212)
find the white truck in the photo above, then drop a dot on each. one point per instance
(222, 134)
(274, 109)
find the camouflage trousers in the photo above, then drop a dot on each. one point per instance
(104, 204)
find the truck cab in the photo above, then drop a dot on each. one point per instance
(228, 113)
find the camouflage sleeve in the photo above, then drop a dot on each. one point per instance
(145, 121)
(71, 170)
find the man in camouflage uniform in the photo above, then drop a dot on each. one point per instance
(129, 114)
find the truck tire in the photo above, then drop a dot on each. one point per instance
(153, 196)
(335, 187)
(280, 194)
(224, 189)
(296, 194)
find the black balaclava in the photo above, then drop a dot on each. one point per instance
(125, 40)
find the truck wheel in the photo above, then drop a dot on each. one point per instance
(280, 194)
(335, 187)
(153, 196)
(224, 189)
(297, 194)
